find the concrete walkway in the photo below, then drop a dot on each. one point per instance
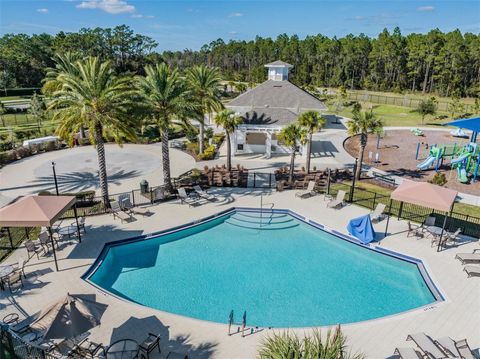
(457, 317)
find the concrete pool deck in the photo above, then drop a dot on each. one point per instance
(458, 316)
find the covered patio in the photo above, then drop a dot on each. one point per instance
(426, 195)
(38, 211)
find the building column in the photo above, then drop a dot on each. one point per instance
(233, 143)
(268, 145)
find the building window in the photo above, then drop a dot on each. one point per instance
(240, 147)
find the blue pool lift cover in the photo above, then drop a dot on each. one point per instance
(362, 229)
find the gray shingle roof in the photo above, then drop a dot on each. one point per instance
(278, 63)
(269, 116)
(278, 94)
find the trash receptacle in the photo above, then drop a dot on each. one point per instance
(144, 186)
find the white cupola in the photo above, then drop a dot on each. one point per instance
(278, 70)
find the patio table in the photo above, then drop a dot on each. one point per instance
(69, 230)
(5, 271)
(434, 230)
(123, 349)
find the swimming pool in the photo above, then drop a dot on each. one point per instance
(276, 267)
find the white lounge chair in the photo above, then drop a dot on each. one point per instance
(309, 192)
(407, 353)
(448, 346)
(203, 194)
(472, 271)
(128, 206)
(377, 215)
(427, 346)
(464, 349)
(337, 202)
(184, 198)
(473, 257)
(117, 212)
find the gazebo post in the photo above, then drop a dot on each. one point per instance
(388, 217)
(441, 233)
(76, 220)
(26, 233)
(53, 247)
(10, 237)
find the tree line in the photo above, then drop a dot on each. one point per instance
(443, 63)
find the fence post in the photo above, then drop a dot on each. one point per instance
(352, 189)
(133, 197)
(269, 180)
(254, 178)
(151, 196)
(400, 210)
(374, 199)
(328, 181)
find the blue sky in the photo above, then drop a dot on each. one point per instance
(180, 24)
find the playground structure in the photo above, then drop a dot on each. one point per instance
(465, 159)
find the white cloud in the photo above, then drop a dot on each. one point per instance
(425, 8)
(110, 6)
(233, 32)
(140, 16)
(43, 10)
(235, 14)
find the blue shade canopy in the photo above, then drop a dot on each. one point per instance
(362, 229)
(472, 124)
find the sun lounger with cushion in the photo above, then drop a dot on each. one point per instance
(377, 215)
(427, 345)
(472, 271)
(473, 257)
(117, 212)
(448, 346)
(407, 353)
(309, 192)
(338, 202)
(203, 194)
(184, 198)
(464, 349)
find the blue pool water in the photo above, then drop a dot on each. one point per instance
(284, 273)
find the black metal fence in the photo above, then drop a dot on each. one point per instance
(470, 225)
(13, 347)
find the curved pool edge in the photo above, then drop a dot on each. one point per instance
(422, 268)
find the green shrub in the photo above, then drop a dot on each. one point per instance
(439, 179)
(191, 134)
(208, 133)
(218, 139)
(23, 152)
(192, 147)
(208, 153)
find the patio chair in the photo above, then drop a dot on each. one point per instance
(309, 192)
(338, 202)
(184, 198)
(149, 345)
(472, 271)
(377, 215)
(33, 248)
(448, 346)
(44, 240)
(407, 353)
(81, 223)
(427, 346)
(13, 278)
(414, 230)
(448, 237)
(117, 212)
(429, 222)
(86, 349)
(20, 266)
(464, 349)
(203, 194)
(465, 258)
(128, 206)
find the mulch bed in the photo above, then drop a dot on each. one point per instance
(397, 155)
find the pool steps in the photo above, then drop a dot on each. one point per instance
(267, 221)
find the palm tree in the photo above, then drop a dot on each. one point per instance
(288, 345)
(63, 63)
(362, 124)
(291, 136)
(229, 121)
(167, 99)
(312, 122)
(204, 84)
(88, 93)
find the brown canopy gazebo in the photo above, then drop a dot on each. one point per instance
(38, 211)
(426, 195)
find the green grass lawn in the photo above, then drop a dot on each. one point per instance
(393, 115)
